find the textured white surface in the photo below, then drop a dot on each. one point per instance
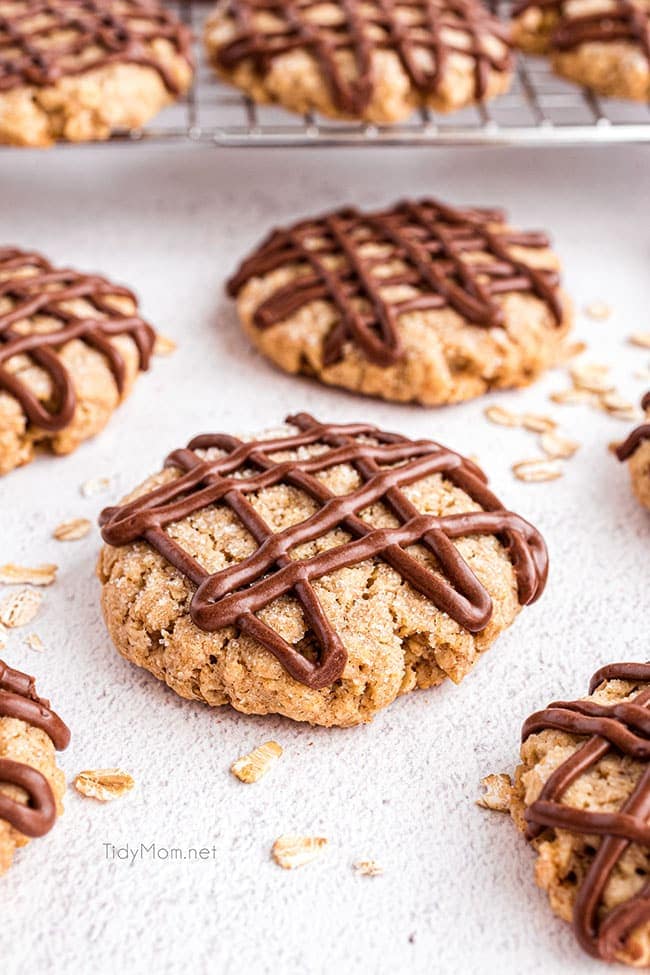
(457, 894)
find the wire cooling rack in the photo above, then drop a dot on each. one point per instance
(540, 109)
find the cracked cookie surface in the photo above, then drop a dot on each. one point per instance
(635, 450)
(382, 635)
(421, 302)
(639, 464)
(581, 796)
(31, 784)
(71, 346)
(375, 60)
(79, 70)
(600, 44)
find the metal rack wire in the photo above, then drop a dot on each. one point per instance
(539, 110)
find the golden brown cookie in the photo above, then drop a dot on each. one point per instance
(421, 302)
(317, 572)
(31, 784)
(601, 44)
(81, 69)
(636, 451)
(582, 798)
(375, 60)
(71, 345)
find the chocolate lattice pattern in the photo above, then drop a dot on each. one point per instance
(424, 34)
(642, 433)
(343, 251)
(42, 41)
(385, 463)
(18, 699)
(622, 728)
(620, 21)
(31, 287)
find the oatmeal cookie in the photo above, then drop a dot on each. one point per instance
(81, 69)
(375, 60)
(600, 44)
(636, 451)
(31, 784)
(422, 302)
(71, 345)
(317, 572)
(582, 798)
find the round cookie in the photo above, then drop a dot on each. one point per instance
(318, 572)
(375, 60)
(421, 302)
(582, 797)
(31, 784)
(71, 345)
(81, 69)
(636, 451)
(600, 44)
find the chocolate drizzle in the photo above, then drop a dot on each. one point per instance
(234, 595)
(341, 253)
(18, 699)
(622, 21)
(417, 31)
(630, 446)
(92, 34)
(623, 728)
(30, 287)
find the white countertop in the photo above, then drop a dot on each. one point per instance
(457, 894)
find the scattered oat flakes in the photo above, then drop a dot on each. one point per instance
(34, 642)
(640, 339)
(254, 765)
(501, 416)
(497, 794)
(627, 416)
(572, 397)
(20, 607)
(39, 575)
(642, 373)
(598, 310)
(591, 376)
(571, 350)
(104, 784)
(95, 485)
(290, 852)
(619, 407)
(164, 345)
(557, 446)
(367, 868)
(71, 530)
(538, 423)
(536, 470)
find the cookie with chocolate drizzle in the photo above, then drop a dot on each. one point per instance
(582, 798)
(31, 785)
(316, 572)
(71, 346)
(82, 69)
(421, 301)
(604, 46)
(636, 451)
(375, 60)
